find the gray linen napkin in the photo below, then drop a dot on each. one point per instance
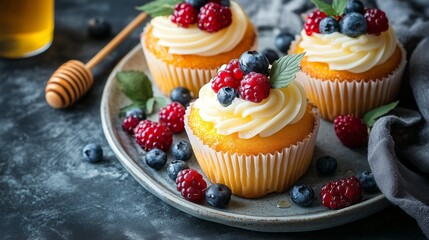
(398, 151)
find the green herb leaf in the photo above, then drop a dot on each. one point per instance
(149, 105)
(324, 7)
(370, 117)
(161, 101)
(159, 7)
(283, 70)
(135, 85)
(339, 6)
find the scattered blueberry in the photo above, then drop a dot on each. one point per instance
(329, 25)
(98, 28)
(253, 61)
(182, 150)
(302, 195)
(156, 158)
(175, 167)
(218, 195)
(326, 165)
(270, 54)
(92, 153)
(181, 95)
(136, 112)
(354, 6)
(283, 41)
(367, 180)
(226, 95)
(353, 24)
(197, 4)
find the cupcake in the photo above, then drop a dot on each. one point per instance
(186, 47)
(254, 131)
(353, 61)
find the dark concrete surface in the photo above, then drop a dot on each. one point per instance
(48, 192)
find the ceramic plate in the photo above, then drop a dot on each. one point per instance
(263, 214)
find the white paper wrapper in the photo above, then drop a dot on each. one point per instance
(254, 176)
(334, 98)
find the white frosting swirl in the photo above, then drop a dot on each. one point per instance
(193, 41)
(355, 55)
(284, 106)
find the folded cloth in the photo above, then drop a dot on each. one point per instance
(398, 149)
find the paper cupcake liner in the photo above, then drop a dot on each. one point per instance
(254, 176)
(334, 98)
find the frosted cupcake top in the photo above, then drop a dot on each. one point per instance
(248, 98)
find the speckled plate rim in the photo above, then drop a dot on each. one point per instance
(308, 222)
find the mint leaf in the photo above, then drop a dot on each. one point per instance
(339, 6)
(161, 101)
(283, 70)
(135, 85)
(370, 117)
(149, 105)
(324, 7)
(159, 7)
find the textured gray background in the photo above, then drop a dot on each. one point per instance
(48, 192)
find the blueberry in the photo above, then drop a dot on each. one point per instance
(98, 28)
(326, 165)
(218, 195)
(283, 41)
(136, 112)
(197, 4)
(92, 153)
(156, 158)
(270, 54)
(175, 167)
(354, 6)
(226, 95)
(329, 25)
(225, 3)
(181, 95)
(302, 195)
(253, 61)
(353, 24)
(182, 150)
(368, 182)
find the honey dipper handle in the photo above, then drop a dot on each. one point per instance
(115, 41)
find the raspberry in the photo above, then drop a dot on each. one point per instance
(351, 130)
(341, 193)
(224, 78)
(150, 135)
(184, 14)
(254, 87)
(172, 116)
(129, 123)
(191, 185)
(213, 17)
(313, 20)
(377, 21)
(234, 68)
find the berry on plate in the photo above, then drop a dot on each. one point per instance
(184, 15)
(191, 185)
(197, 4)
(282, 41)
(181, 95)
(367, 180)
(175, 167)
(254, 61)
(92, 153)
(354, 6)
(326, 165)
(218, 195)
(302, 195)
(156, 158)
(136, 112)
(341, 193)
(151, 135)
(351, 130)
(313, 21)
(329, 25)
(182, 150)
(376, 20)
(270, 54)
(254, 87)
(129, 123)
(172, 116)
(214, 17)
(353, 24)
(226, 95)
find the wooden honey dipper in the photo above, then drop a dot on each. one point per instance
(74, 78)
